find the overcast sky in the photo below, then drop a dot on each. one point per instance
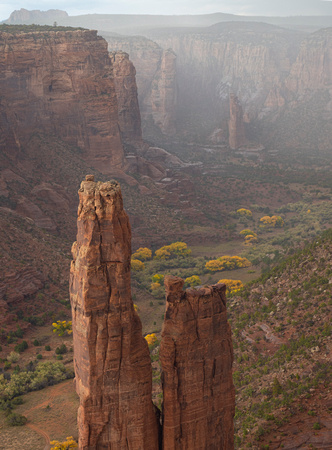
(244, 7)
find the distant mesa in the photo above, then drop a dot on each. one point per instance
(23, 16)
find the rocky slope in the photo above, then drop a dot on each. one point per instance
(282, 371)
(112, 361)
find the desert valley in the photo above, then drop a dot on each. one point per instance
(218, 128)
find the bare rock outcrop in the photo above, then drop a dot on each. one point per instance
(111, 359)
(60, 83)
(196, 356)
(156, 79)
(237, 137)
(126, 92)
(161, 101)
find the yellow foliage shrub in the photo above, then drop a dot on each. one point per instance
(62, 327)
(248, 232)
(250, 239)
(232, 285)
(157, 278)
(151, 339)
(154, 286)
(143, 254)
(173, 250)
(227, 263)
(273, 221)
(244, 212)
(68, 443)
(192, 281)
(137, 265)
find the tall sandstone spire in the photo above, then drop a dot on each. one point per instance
(196, 356)
(237, 136)
(111, 357)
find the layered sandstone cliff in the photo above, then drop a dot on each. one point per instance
(161, 101)
(312, 69)
(237, 136)
(156, 79)
(111, 359)
(60, 83)
(196, 356)
(247, 59)
(124, 74)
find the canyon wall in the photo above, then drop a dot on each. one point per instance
(124, 74)
(196, 356)
(60, 83)
(111, 357)
(156, 79)
(246, 59)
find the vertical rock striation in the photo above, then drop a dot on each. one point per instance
(196, 356)
(60, 83)
(112, 361)
(161, 101)
(126, 92)
(237, 137)
(156, 79)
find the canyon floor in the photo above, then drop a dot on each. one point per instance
(197, 204)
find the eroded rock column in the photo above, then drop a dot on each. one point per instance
(237, 136)
(196, 356)
(111, 358)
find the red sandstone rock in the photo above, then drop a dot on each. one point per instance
(126, 92)
(196, 356)
(111, 359)
(161, 101)
(237, 136)
(156, 79)
(60, 83)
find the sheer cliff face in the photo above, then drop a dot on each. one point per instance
(156, 79)
(60, 83)
(160, 103)
(126, 92)
(196, 356)
(111, 359)
(313, 67)
(237, 137)
(247, 59)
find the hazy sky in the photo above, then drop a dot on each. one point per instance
(245, 7)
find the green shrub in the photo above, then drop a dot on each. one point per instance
(61, 350)
(47, 348)
(39, 356)
(16, 420)
(36, 343)
(19, 348)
